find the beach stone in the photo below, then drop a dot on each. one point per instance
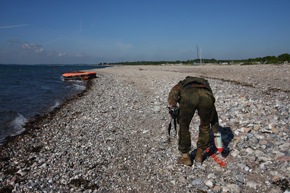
(249, 150)
(197, 182)
(115, 136)
(240, 178)
(232, 188)
(283, 158)
(252, 184)
(275, 130)
(209, 183)
(211, 176)
(181, 179)
(284, 146)
(217, 188)
(156, 109)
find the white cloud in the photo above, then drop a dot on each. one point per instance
(40, 50)
(34, 47)
(29, 46)
(62, 54)
(124, 45)
(13, 26)
(39, 53)
(79, 55)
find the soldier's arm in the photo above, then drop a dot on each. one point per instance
(174, 95)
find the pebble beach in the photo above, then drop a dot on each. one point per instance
(113, 137)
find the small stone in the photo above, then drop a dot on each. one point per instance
(263, 142)
(181, 179)
(112, 137)
(283, 158)
(249, 150)
(235, 153)
(240, 178)
(197, 182)
(217, 188)
(275, 130)
(21, 172)
(233, 188)
(277, 190)
(209, 183)
(210, 176)
(257, 127)
(252, 184)
(156, 109)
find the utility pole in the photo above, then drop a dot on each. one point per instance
(198, 55)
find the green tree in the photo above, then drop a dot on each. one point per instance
(270, 59)
(284, 57)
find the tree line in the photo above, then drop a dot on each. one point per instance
(283, 58)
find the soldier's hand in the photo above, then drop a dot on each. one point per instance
(173, 111)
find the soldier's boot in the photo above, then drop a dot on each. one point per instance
(185, 159)
(198, 157)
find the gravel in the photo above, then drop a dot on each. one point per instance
(114, 137)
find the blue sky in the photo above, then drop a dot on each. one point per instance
(94, 31)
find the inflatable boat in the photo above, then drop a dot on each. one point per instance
(79, 75)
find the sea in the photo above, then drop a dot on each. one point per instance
(27, 91)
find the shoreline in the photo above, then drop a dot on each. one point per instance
(33, 123)
(112, 138)
(203, 70)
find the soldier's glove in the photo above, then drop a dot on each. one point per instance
(173, 111)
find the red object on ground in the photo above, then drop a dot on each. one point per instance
(79, 75)
(220, 162)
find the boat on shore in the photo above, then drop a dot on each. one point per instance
(79, 75)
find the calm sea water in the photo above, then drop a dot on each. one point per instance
(30, 90)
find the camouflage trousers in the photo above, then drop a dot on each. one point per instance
(202, 101)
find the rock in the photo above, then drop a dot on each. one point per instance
(181, 179)
(240, 178)
(197, 182)
(283, 158)
(209, 183)
(252, 185)
(115, 138)
(233, 188)
(235, 153)
(275, 130)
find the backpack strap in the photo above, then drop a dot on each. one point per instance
(195, 82)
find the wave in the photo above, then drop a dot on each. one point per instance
(79, 87)
(75, 86)
(56, 104)
(18, 124)
(36, 91)
(11, 124)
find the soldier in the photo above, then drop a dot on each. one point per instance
(193, 94)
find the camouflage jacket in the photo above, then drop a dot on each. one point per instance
(174, 93)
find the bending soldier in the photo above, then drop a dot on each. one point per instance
(193, 94)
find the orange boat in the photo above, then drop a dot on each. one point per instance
(79, 75)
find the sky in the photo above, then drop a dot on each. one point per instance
(98, 31)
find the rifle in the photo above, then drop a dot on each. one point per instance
(173, 111)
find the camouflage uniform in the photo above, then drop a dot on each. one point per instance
(193, 94)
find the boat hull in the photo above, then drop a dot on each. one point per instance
(79, 75)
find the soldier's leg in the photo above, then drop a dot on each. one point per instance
(186, 112)
(205, 112)
(188, 104)
(215, 122)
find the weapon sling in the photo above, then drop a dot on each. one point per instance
(170, 125)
